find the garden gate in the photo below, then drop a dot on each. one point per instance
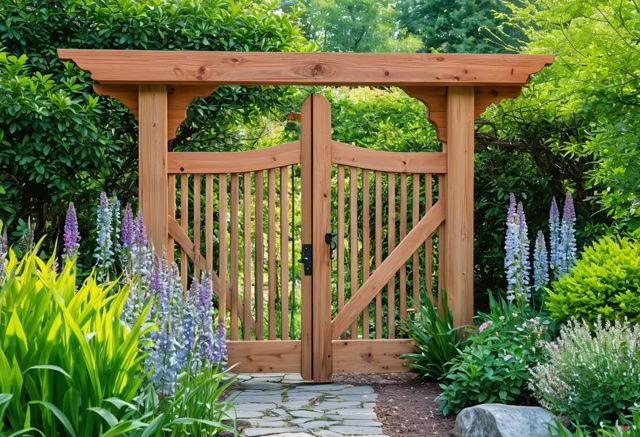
(406, 226)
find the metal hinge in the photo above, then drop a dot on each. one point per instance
(307, 260)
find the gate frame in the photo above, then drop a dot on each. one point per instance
(157, 86)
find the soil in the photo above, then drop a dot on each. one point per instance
(406, 403)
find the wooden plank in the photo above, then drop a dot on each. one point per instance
(184, 224)
(264, 356)
(428, 244)
(321, 137)
(415, 216)
(393, 162)
(246, 250)
(233, 255)
(179, 98)
(370, 356)
(281, 155)
(259, 265)
(435, 99)
(208, 222)
(171, 210)
(284, 253)
(222, 245)
(340, 248)
(353, 240)
(387, 269)
(197, 219)
(378, 249)
(487, 95)
(152, 158)
(306, 235)
(459, 192)
(391, 244)
(366, 245)
(403, 233)
(272, 255)
(256, 68)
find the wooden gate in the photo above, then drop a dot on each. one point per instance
(247, 218)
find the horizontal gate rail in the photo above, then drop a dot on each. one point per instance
(393, 162)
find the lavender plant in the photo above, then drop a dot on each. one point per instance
(71, 234)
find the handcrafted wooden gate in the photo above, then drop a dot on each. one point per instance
(255, 213)
(375, 280)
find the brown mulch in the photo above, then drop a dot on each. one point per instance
(406, 403)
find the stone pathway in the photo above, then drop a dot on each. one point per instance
(283, 405)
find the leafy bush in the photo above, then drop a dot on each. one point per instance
(629, 427)
(591, 377)
(435, 338)
(65, 358)
(604, 282)
(494, 365)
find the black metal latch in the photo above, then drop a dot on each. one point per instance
(331, 239)
(306, 259)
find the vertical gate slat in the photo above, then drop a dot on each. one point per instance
(272, 254)
(222, 245)
(428, 245)
(284, 252)
(353, 244)
(171, 210)
(340, 248)
(391, 244)
(208, 222)
(259, 270)
(403, 233)
(246, 268)
(365, 246)
(184, 224)
(233, 249)
(196, 223)
(378, 250)
(415, 266)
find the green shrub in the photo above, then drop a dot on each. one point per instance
(494, 366)
(65, 357)
(628, 427)
(436, 340)
(591, 377)
(604, 282)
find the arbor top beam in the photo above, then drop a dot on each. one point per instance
(278, 68)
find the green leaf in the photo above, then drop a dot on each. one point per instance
(59, 415)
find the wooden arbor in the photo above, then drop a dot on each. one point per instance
(158, 86)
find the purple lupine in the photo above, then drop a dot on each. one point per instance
(554, 238)
(511, 248)
(141, 253)
(104, 250)
(189, 318)
(540, 263)
(4, 249)
(71, 234)
(221, 337)
(114, 204)
(128, 230)
(524, 252)
(205, 350)
(567, 246)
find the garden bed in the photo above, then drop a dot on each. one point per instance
(406, 403)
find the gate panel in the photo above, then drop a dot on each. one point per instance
(236, 217)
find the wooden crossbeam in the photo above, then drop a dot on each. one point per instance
(388, 268)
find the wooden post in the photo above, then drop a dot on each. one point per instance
(321, 197)
(459, 203)
(152, 149)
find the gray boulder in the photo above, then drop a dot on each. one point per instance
(497, 420)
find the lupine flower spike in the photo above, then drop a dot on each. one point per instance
(554, 238)
(104, 251)
(524, 252)
(4, 249)
(567, 246)
(540, 263)
(516, 260)
(71, 234)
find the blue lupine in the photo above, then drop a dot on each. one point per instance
(221, 337)
(4, 249)
(516, 260)
(554, 238)
(205, 349)
(524, 252)
(128, 230)
(71, 234)
(189, 318)
(567, 251)
(114, 204)
(540, 263)
(104, 250)
(141, 253)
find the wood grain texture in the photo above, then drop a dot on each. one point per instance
(353, 240)
(370, 356)
(284, 253)
(197, 221)
(391, 244)
(171, 210)
(254, 68)
(222, 245)
(366, 245)
(184, 225)
(459, 192)
(234, 249)
(152, 156)
(381, 276)
(281, 155)
(246, 251)
(272, 254)
(259, 264)
(264, 356)
(394, 162)
(435, 99)
(378, 247)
